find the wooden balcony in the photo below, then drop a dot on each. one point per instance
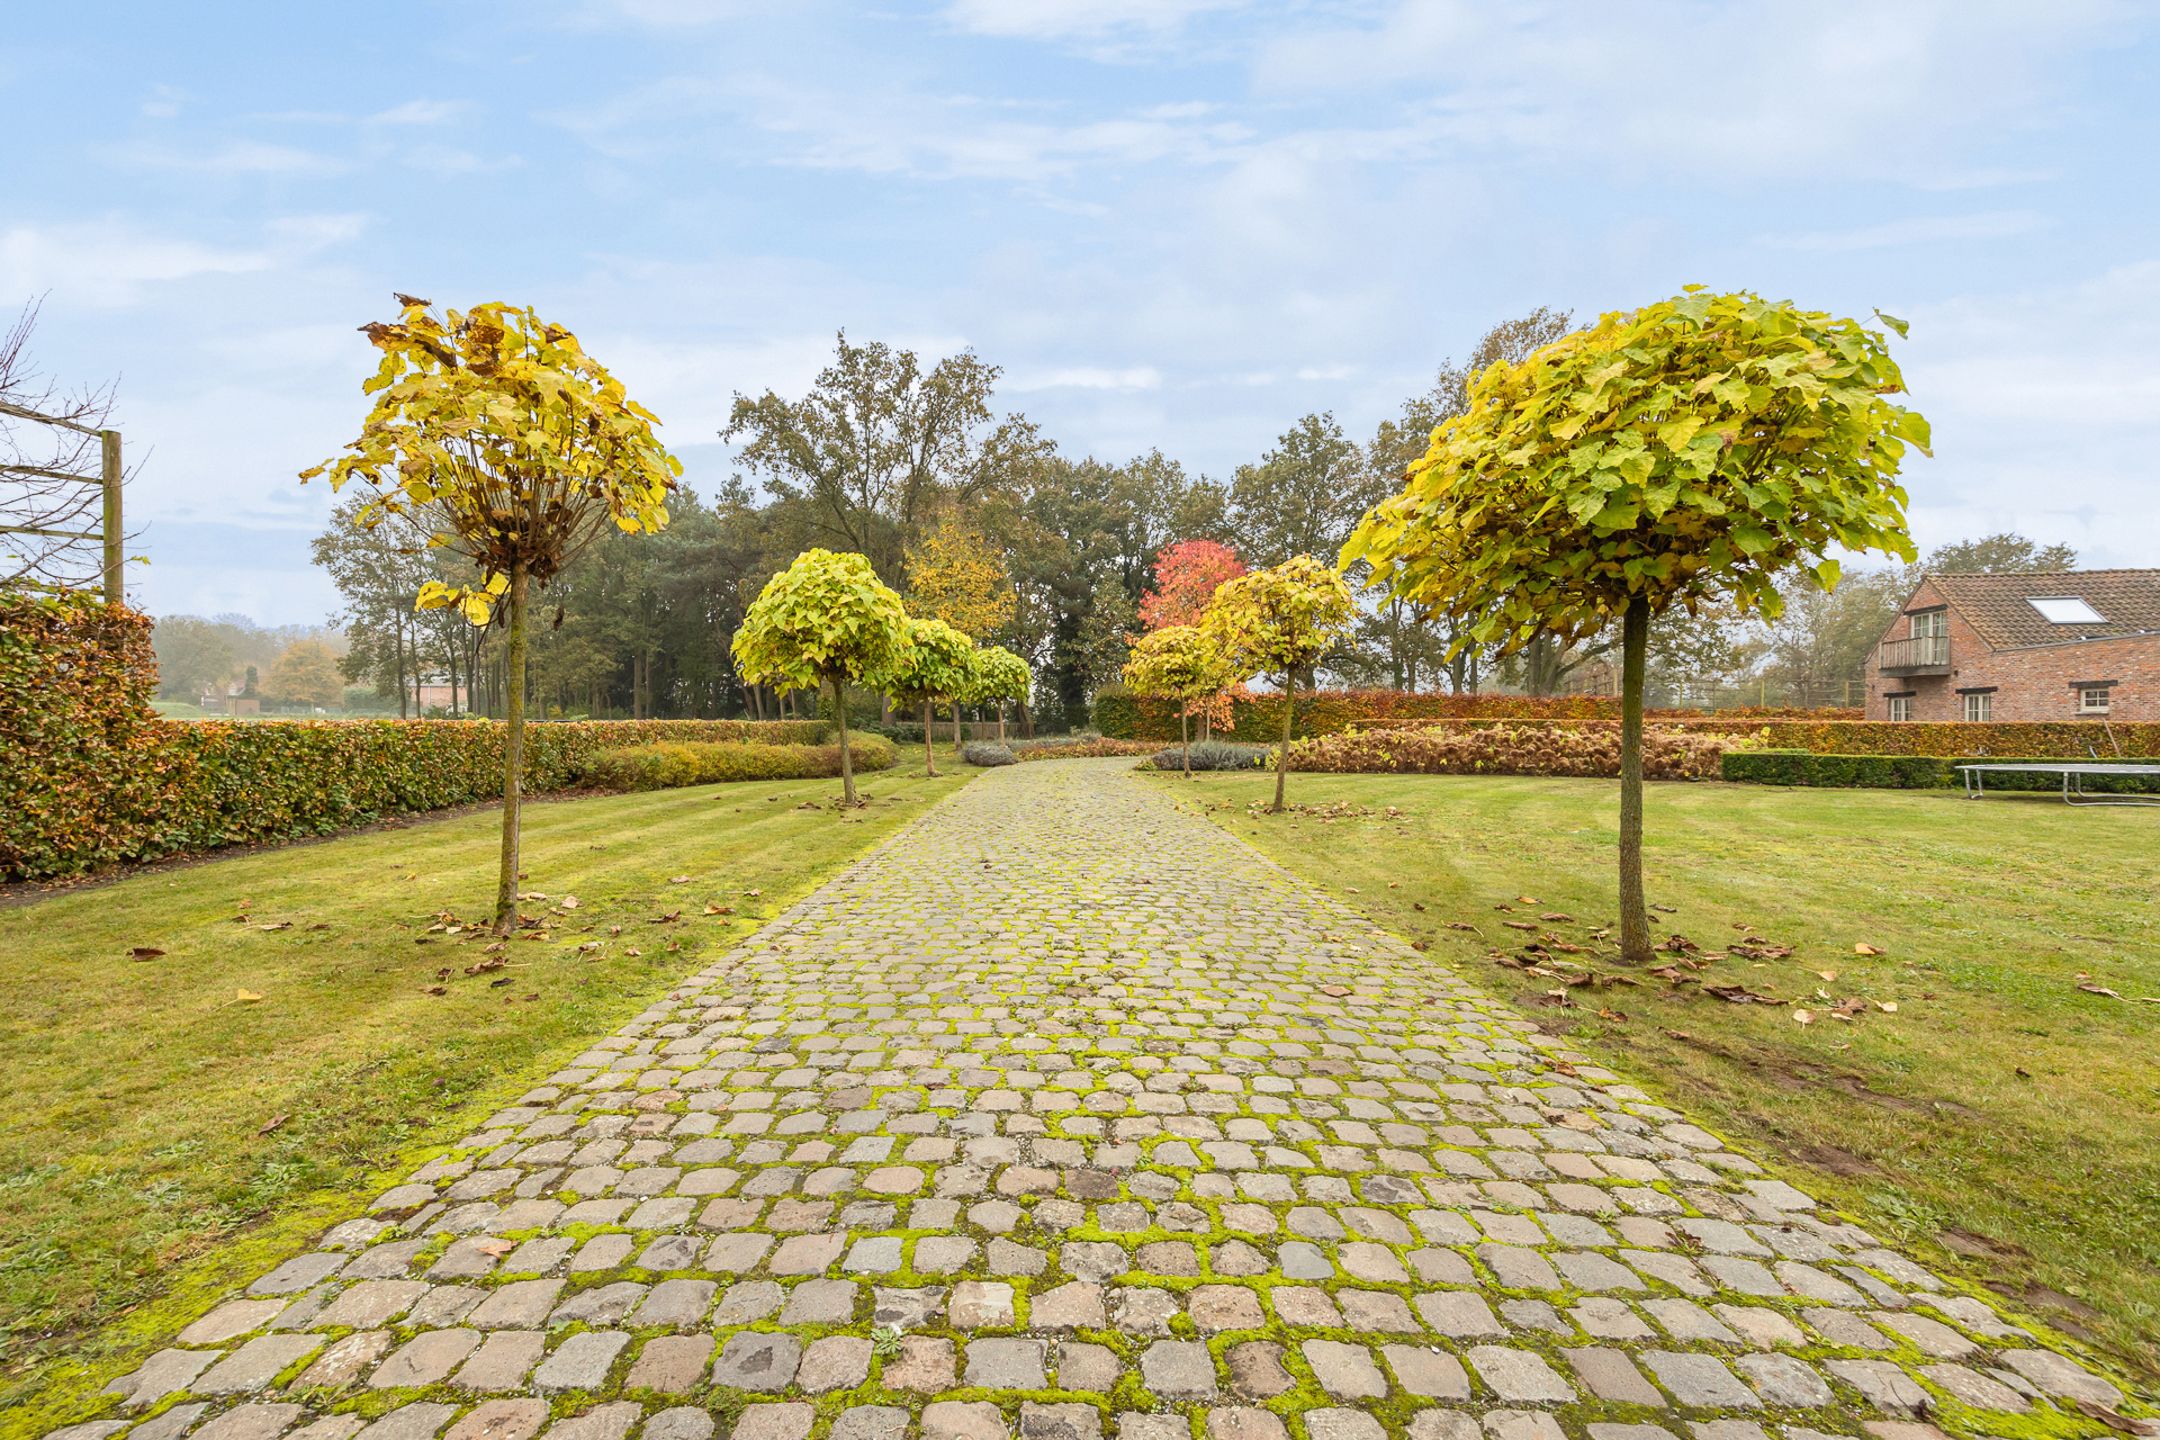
(1920, 655)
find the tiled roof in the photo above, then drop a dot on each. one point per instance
(2000, 607)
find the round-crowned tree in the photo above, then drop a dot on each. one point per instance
(1178, 662)
(935, 663)
(496, 433)
(1687, 453)
(826, 621)
(1000, 678)
(1279, 621)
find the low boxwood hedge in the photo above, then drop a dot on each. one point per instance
(1916, 772)
(661, 767)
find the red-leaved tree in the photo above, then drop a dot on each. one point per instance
(1186, 575)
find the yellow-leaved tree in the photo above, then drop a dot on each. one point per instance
(1685, 454)
(495, 428)
(954, 575)
(1279, 621)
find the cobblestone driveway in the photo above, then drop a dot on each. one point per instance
(1066, 1114)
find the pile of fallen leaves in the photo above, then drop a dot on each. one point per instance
(1570, 953)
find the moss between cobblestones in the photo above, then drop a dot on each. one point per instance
(345, 1066)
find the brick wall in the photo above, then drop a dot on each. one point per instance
(2031, 683)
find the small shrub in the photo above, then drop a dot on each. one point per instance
(987, 752)
(667, 765)
(1214, 755)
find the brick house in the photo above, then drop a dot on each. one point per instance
(2060, 645)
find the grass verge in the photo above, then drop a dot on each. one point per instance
(180, 1121)
(2002, 1122)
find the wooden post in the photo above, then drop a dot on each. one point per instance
(115, 592)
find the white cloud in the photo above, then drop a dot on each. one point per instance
(903, 133)
(1919, 230)
(1845, 90)
(2046, 413)
(109, 263)
(418, 112)
(1087, 377)
(236, 157)
(1076, 19)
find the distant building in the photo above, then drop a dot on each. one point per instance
(434, 692)
(2056, 645)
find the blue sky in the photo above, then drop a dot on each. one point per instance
(1174, 223)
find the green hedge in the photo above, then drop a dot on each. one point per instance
(661, 767)
(90, 777)
(1914, 772)
(2057, 739)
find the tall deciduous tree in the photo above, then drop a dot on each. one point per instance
(881, 445)
(1178, 662)
(2004, 553)
(523, 448)
(1684, 454)
(1280, 621)
(1304, 496)
(936, 663)
(825, 621)
(955, 574)
(1187, 575)
(306, 673)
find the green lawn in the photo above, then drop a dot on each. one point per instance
(2002, 1122)
(169, 1136)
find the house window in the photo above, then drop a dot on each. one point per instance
(2066, 610)
(1901, 707)
(2093, 699)
(1930, 623)
(1979, 706)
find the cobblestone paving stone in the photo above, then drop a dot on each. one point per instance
(1066, 1115)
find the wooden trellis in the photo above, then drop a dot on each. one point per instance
(109, 534)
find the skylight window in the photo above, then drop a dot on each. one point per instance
(2066, 610)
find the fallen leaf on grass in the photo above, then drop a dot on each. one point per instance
(569, 902)
(2091, 989)
(680, 879)
(1863, 948)
(1803, 1017)
(1418, 905)
(1618, 1017)
(146, 952)
(436, 990)
(1888, 1007)
(1526, 899)
(719, 909)
(1827, 974)
(248, 997)
(1458, 925)
(1740, 995)
(271, 1124)
(1557, 917)
(1519, 925)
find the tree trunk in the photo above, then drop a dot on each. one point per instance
(1282, 758)
(847, 761)
(1634, 914)
(1001, 722)
(397, 652)
(929, 756)
(956, 724)
(1184, 742)
(506, 884)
